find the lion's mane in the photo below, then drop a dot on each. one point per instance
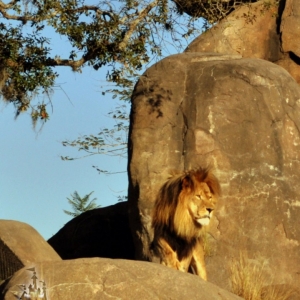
(172, 223)
(171, 214)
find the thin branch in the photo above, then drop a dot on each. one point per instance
(7, 16)
(74, 64)
(25, 18)
(134, 24)
(108, 152)
(8, 5)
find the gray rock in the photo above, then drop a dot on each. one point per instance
(99, 278)
(262, 29)
(241, 116)
(20, 244)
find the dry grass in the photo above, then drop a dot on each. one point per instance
(208, 244)
(252, 282)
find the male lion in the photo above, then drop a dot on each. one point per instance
(184, 205)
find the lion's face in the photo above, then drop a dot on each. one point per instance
(201, 204)
(185, 203)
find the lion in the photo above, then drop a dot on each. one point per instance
(183, 207)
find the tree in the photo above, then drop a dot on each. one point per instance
(122, 35)
(80, 205)
(113, 141)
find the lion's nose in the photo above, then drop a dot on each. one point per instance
(209, 209)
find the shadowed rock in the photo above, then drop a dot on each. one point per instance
(102, 232)
(289, 27)
(211, 10)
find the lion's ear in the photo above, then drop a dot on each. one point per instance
(213, 184)
(187, 183)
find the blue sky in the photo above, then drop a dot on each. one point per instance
(34, 181)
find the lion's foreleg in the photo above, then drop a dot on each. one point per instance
(198, 262)
(169, 257)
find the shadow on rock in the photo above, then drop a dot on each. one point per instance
(102, 232)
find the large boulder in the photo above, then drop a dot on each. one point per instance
(265, 29)
(242, 117)
(99, 278)
(249, 31)
(102, 232)
(21, 244)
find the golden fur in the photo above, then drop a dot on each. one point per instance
(183, 206)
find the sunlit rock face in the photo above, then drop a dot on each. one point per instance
(242, 117)
(265, 29)
(20, 245)
(103, 278)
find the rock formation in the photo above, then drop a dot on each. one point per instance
(211, 10)
(242, 117)
(265, 29)
(289, 27)
(102, 232)
(230, 101)
(20, 244)
(43, 275)
(99, 278)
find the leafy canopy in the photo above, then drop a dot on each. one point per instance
(113, 141)
(119, 34)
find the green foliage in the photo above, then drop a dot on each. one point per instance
(119, 34)
(22, 71)
(80, 205)
(122, 35)
(122, 198)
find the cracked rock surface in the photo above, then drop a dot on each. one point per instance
(242, 117)
(101, 278)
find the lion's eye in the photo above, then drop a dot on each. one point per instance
(199, 197)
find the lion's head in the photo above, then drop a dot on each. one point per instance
(185, 203)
